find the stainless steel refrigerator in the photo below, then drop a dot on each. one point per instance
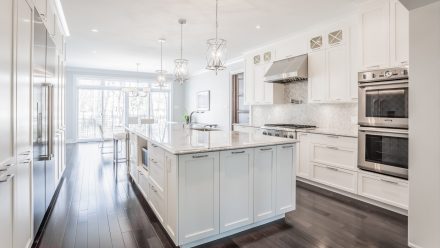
(44, 63)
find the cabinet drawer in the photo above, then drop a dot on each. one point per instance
(389, 190)
(334, 140)
(144, 185)
(335, 177)
(156, 153)
(134, 171)
(157, 174)
(157, 201)
(334, 155)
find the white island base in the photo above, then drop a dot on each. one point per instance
(235, 182)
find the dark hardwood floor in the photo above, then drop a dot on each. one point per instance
(96, 210)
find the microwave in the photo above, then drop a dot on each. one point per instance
(383, 98)
(383, 150)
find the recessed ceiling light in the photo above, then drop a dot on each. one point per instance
(94, 30)
(258, 27)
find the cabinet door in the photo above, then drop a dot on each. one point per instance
(198, 196)
(374, 22)
(144, 184)
(399, 43)
(23, 77)
(6, 127)
(286, 178)
(249, 81)
(303, 167)
(338, 73)
(264, 182)
(260, 96)
(6, 209)
(22, 202)
(236, 189)
(172, 190)
(318, 79)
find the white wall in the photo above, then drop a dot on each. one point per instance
(177, 96)
(220, 88)
(424, 127)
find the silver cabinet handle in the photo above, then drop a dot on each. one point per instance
(333, 147)
(285, 147)
(265, 149)
(331, 168)
(6, 178)
(200, 156)
(25, 153)
(387, 181)
(153, 188)
(238, 152)
(333, 136)
(5, 167)
(27, 161)
(153, 145)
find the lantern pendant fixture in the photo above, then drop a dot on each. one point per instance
(181, 65)
(216, 53)
(161, 74)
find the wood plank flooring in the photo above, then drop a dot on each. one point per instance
(96, 210)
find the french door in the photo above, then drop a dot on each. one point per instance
(100, 112)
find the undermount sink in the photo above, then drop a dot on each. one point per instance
(206, 129)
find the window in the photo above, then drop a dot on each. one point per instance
(240, 111)
(102, 107)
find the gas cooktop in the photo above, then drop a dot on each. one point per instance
(292, 126)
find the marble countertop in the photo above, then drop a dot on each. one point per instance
(337, 132)
(176, 138)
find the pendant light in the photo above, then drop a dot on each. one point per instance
(216, 49)
(181, 65)
(161, 74)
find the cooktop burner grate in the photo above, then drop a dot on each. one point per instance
(293, 126)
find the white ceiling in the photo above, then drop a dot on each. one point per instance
(129, 29)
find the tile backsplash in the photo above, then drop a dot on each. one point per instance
(339, 116)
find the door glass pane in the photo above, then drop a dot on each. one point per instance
(89, 113)
(387, 150)
(113, 112)
(391, 103)
(159, 106)
(138, 106)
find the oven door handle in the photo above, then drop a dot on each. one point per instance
(384, 132)
(385, 85)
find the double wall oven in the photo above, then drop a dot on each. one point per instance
(383, 120)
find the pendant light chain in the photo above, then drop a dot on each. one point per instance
(181, 41)
(216, 20)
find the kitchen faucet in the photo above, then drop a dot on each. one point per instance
(190, 116)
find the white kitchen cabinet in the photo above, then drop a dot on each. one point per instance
(390, 190)
(142, 180)
(318, 77)
(384, 28)
(23, 202)
(236, 188)
(22, 210)
(198, 196)
(375, 34)
(156, 199)
(6, 79)
(6, 208)
(286, 178)
(303, 164)
(335, 177)
(257, 91)
(264, 182)
(338, 73)
(291, 47)
(172, 194)
(399, 34)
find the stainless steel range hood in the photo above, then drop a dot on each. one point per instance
(288, 70)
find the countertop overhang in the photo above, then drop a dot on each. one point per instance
(177, 138)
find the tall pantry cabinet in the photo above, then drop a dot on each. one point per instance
(16, 132)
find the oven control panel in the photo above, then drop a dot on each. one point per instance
(383, 75)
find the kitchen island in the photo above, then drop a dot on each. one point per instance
(205, 185)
